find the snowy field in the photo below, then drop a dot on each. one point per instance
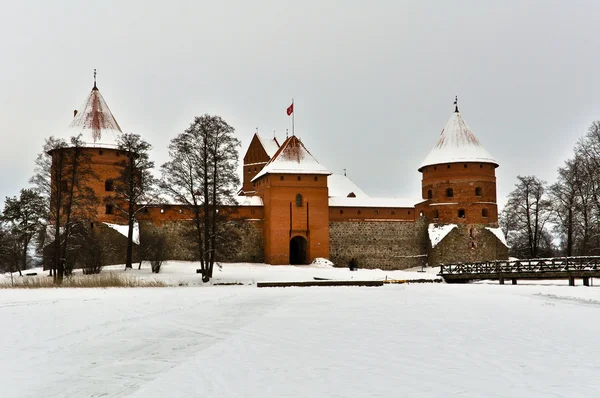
(418, 340)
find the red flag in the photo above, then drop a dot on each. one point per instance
(290, 109)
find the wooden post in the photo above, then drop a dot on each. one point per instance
(586, 281)
(571, 281)
(514, 281)
(501, 280)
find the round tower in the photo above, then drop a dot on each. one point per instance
(459, 178)
(100, 160)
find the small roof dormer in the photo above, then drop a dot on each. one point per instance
(292, 157)
(457, 144)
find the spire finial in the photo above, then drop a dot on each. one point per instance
(456, 104)
(95, 88)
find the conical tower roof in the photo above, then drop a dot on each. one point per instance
(457, 144)
(292, 158)
(95, 120)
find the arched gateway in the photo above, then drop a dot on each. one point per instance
(298, 253)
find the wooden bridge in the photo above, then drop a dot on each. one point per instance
(540, 268)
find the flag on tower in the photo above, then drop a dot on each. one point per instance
(290, 109)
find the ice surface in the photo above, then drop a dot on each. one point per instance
(482, 340)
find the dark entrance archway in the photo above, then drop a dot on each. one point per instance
(298, 253)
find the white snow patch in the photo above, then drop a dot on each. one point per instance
(372, 202)
(341, 186)
(322, 262)
(499, 234)
(124, 230)
(439, 232)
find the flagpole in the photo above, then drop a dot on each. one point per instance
(293, 112)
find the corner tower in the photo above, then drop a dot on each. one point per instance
(99, 130)
(459, 188)
(459, 177)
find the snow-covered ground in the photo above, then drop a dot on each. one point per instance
(183, 273)
(421, 340)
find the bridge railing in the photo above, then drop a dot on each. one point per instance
(556, 264)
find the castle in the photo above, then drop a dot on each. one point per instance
(292, 209)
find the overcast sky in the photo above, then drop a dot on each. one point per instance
(373, 81)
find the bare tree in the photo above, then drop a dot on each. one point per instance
(134, 187)
(24, 217)
(202, 176)
(62, 174)
(528, 211)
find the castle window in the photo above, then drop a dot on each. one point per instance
(109, 185)
(449, 193)
(429, 194)
(470, 232)
(109, 209)
(478, 191)
(146, 211)
(162, 211)
(393, 211)
(280, 178)
(421, 214)
(118, 153)
(180, 211)
(341, 211)
(351, 195)
(298, 200)
(484, 213)
(100, 152)
(465, 165)
(436, 214)
(480, 166)
(316, 178)
(255, 169)
(252, 211)
(435, 167)
(409, 212)
(448, 166)
(376, 212)
(359, 212)
(461, 213)
(299, 178)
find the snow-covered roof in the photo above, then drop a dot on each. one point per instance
(95, 121)
(292, 158)
(124, 230)
(457, 143)
(341, 186)
(499, 234)
(270, 145)
(370, 202)
(249, 200)
(438, 232)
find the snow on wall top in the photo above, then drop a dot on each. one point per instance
(499, 234)
(341, 186)
(438, 232)
(292, 158)
(371, 202)
(457, 143)
(124, 229)
(270, 145)
(249, 200)
(96, 120)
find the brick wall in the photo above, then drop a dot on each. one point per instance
(379, 244)
(243, 243)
